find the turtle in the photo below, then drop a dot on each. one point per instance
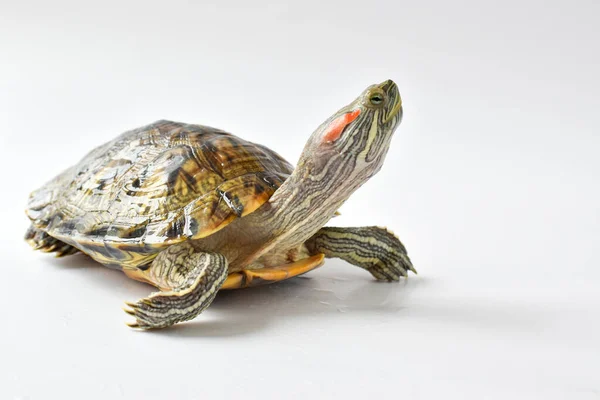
(192, 209)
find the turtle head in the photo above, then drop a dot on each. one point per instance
(356, 138)
(341, 154)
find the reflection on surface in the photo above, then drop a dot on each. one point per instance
(336, 290)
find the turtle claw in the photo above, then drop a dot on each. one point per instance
(147, 314)
(391, 268)
(135, 311)
(130, 312)
(40, 240)
(65, 250)
(391, 273)
(49, 249)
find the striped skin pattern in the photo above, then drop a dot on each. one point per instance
(153, 187)
(373, 248)
(189, 280)
(329, 172)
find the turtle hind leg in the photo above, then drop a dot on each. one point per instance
(40, 240)
(189, 281)
(375, 249)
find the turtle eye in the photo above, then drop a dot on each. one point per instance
(376, 99)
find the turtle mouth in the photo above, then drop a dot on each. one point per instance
(394, 111)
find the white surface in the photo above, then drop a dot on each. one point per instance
(491, 182)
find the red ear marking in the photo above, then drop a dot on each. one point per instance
(335, 128)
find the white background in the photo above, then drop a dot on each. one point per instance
(491, 182)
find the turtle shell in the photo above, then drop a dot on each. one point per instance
(153, 187)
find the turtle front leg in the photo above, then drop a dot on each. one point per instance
(375, 249)
(189, 281)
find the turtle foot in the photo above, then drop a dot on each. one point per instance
(40, 240)
(193, 280)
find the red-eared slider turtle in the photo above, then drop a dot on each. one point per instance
(192, 209)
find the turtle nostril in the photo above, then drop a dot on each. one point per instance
(390, 88)
(386, 85)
